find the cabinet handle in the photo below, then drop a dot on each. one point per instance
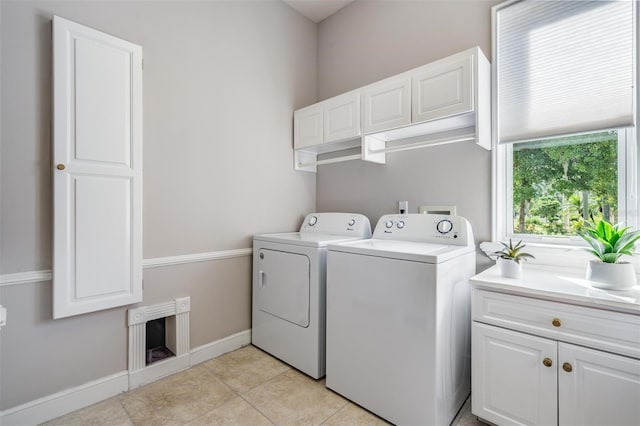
(60, 166)
(567, 367)
(556, 322)
(547, 362)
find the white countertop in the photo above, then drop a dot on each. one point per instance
(561, 285)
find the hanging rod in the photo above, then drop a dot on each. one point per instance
(423, 144)
(330, 160)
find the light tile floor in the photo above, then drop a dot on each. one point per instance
(244, 387)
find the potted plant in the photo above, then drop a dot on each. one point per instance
(608, 243)
(510, 258)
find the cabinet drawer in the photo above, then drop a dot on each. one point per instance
(610, 331)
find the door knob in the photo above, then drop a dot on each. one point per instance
(567, 367)
(60, 166)
(547, 362)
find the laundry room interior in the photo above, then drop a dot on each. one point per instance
(224, 180)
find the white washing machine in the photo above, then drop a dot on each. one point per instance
(289, 288)
(398, 318)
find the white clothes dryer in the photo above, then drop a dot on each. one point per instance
(289, 288)
(398, 318)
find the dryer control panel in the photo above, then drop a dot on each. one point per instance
(431, 228)
(350, 224)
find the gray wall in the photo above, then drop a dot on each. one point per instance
(371, 40)
(221, 81)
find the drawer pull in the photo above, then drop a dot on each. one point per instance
(567, 367)
(547, 362)
(556, 322)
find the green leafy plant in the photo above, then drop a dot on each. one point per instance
(608, 242)
(513, 252)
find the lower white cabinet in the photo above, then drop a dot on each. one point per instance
(510, 384)
(597, 388)
(525, 379)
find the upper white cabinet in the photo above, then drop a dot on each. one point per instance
(308, 126)
(387, 104)
(442, 102)
(327, 126)
(442, 89)
(334, 120)
(342, 117)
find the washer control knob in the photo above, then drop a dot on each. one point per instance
(352, 222)
(313, 220)
(400, 224)
(389, 224)
(444, 226)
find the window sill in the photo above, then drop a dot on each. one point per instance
(565, 256)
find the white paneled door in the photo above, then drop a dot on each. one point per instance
(514, 377)
(97, 170)
(597, 388)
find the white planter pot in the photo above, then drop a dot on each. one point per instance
(611, 276)
(510, 268)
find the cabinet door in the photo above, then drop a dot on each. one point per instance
(600, 388)
(387, 104)
(307, 126)
(342, 117)
(510, 383)
(97, 180)
(443, 89)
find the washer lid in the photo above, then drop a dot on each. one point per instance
(304, 239)
(402, 250)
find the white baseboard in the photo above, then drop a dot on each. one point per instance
(66, 401)
(158, 370)
(219, 347)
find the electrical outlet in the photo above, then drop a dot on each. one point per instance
(403, 207)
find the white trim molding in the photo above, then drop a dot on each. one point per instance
(45, 275)
(195, 257)
(25, 277)
(66, 401)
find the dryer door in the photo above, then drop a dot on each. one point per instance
(283, 285)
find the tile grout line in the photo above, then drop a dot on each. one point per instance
(257, 409)
(255, 387)
(125, 408)
(238, 394)
(346, 402)
(233, 392)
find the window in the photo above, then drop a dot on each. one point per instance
(565, 151)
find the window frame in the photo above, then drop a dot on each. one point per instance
(502, 170)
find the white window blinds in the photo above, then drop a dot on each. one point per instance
(563, 67)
